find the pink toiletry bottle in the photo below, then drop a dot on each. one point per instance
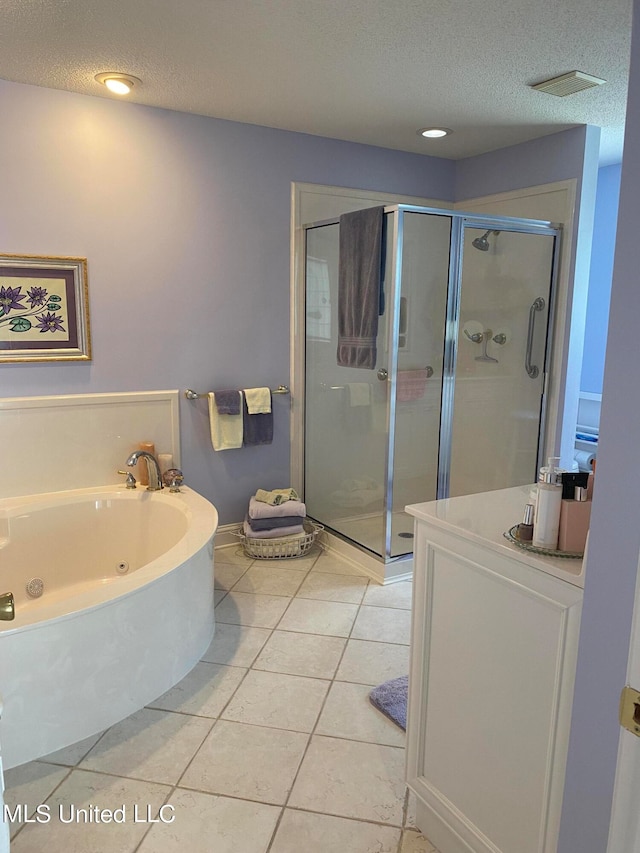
(575, 517)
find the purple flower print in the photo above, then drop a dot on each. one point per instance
(37, 296)
(17, 318)
(49, 323)
(9, 299)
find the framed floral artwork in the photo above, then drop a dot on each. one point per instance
(44, 309)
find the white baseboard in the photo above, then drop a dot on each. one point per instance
(224, 535)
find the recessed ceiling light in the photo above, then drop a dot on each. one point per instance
(119, 84)
(434, 132)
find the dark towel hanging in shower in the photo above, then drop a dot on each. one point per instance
(359, 286)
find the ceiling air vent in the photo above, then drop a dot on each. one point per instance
(568, 84)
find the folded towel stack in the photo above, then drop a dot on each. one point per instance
(267, 520)
(276, 496)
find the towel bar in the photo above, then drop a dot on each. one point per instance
(325, 387)
(193, 395)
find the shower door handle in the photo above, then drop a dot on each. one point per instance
(537, 305)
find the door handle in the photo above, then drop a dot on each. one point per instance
(537, 305)
(383, 373)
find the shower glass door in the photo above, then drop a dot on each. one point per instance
(421, 323)
(500, 362)
(345, 409)
(372, 436)
(454, 404)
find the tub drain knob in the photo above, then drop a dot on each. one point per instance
(35, 587)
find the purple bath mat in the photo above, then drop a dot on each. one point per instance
(391, 699)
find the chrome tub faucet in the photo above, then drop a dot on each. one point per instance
(155, 477)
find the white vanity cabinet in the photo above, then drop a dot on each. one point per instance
(493, 654)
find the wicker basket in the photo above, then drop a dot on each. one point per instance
(281, 549)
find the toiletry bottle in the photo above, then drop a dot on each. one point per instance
(547, 521)
(571, 479)
(575, 516)
(591, 481)
(525, 528)
(165, 461)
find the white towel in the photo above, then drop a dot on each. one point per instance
(359, 393)
(258, 400)
(226, 430)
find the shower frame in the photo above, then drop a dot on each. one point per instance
(459, 221)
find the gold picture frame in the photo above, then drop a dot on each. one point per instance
(44, 309)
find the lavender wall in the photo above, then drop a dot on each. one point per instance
(541, 161)
(601, 271)
(185, 224)
(615, 533)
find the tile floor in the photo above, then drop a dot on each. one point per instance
(269, 744)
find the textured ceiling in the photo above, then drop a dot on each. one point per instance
(371, 71)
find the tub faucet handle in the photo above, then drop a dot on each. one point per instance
(131, 480)
(7, 607)
(174, 478)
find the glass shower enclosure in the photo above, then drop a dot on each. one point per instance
(455, 402)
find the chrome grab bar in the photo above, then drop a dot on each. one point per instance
(537, 305)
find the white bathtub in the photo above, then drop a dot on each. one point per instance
(126, 609)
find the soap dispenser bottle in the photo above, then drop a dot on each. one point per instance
(549, 502)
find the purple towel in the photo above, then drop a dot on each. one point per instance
(359, 286)
(273, 523)
(391, 699)
(259, 509)
(280, 533)
(258, 429)
(228, 402)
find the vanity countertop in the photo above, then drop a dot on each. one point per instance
(484, 517)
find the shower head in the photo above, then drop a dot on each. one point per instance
(481, 242)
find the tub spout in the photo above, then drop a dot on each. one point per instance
(155, 477)
(7, 608)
